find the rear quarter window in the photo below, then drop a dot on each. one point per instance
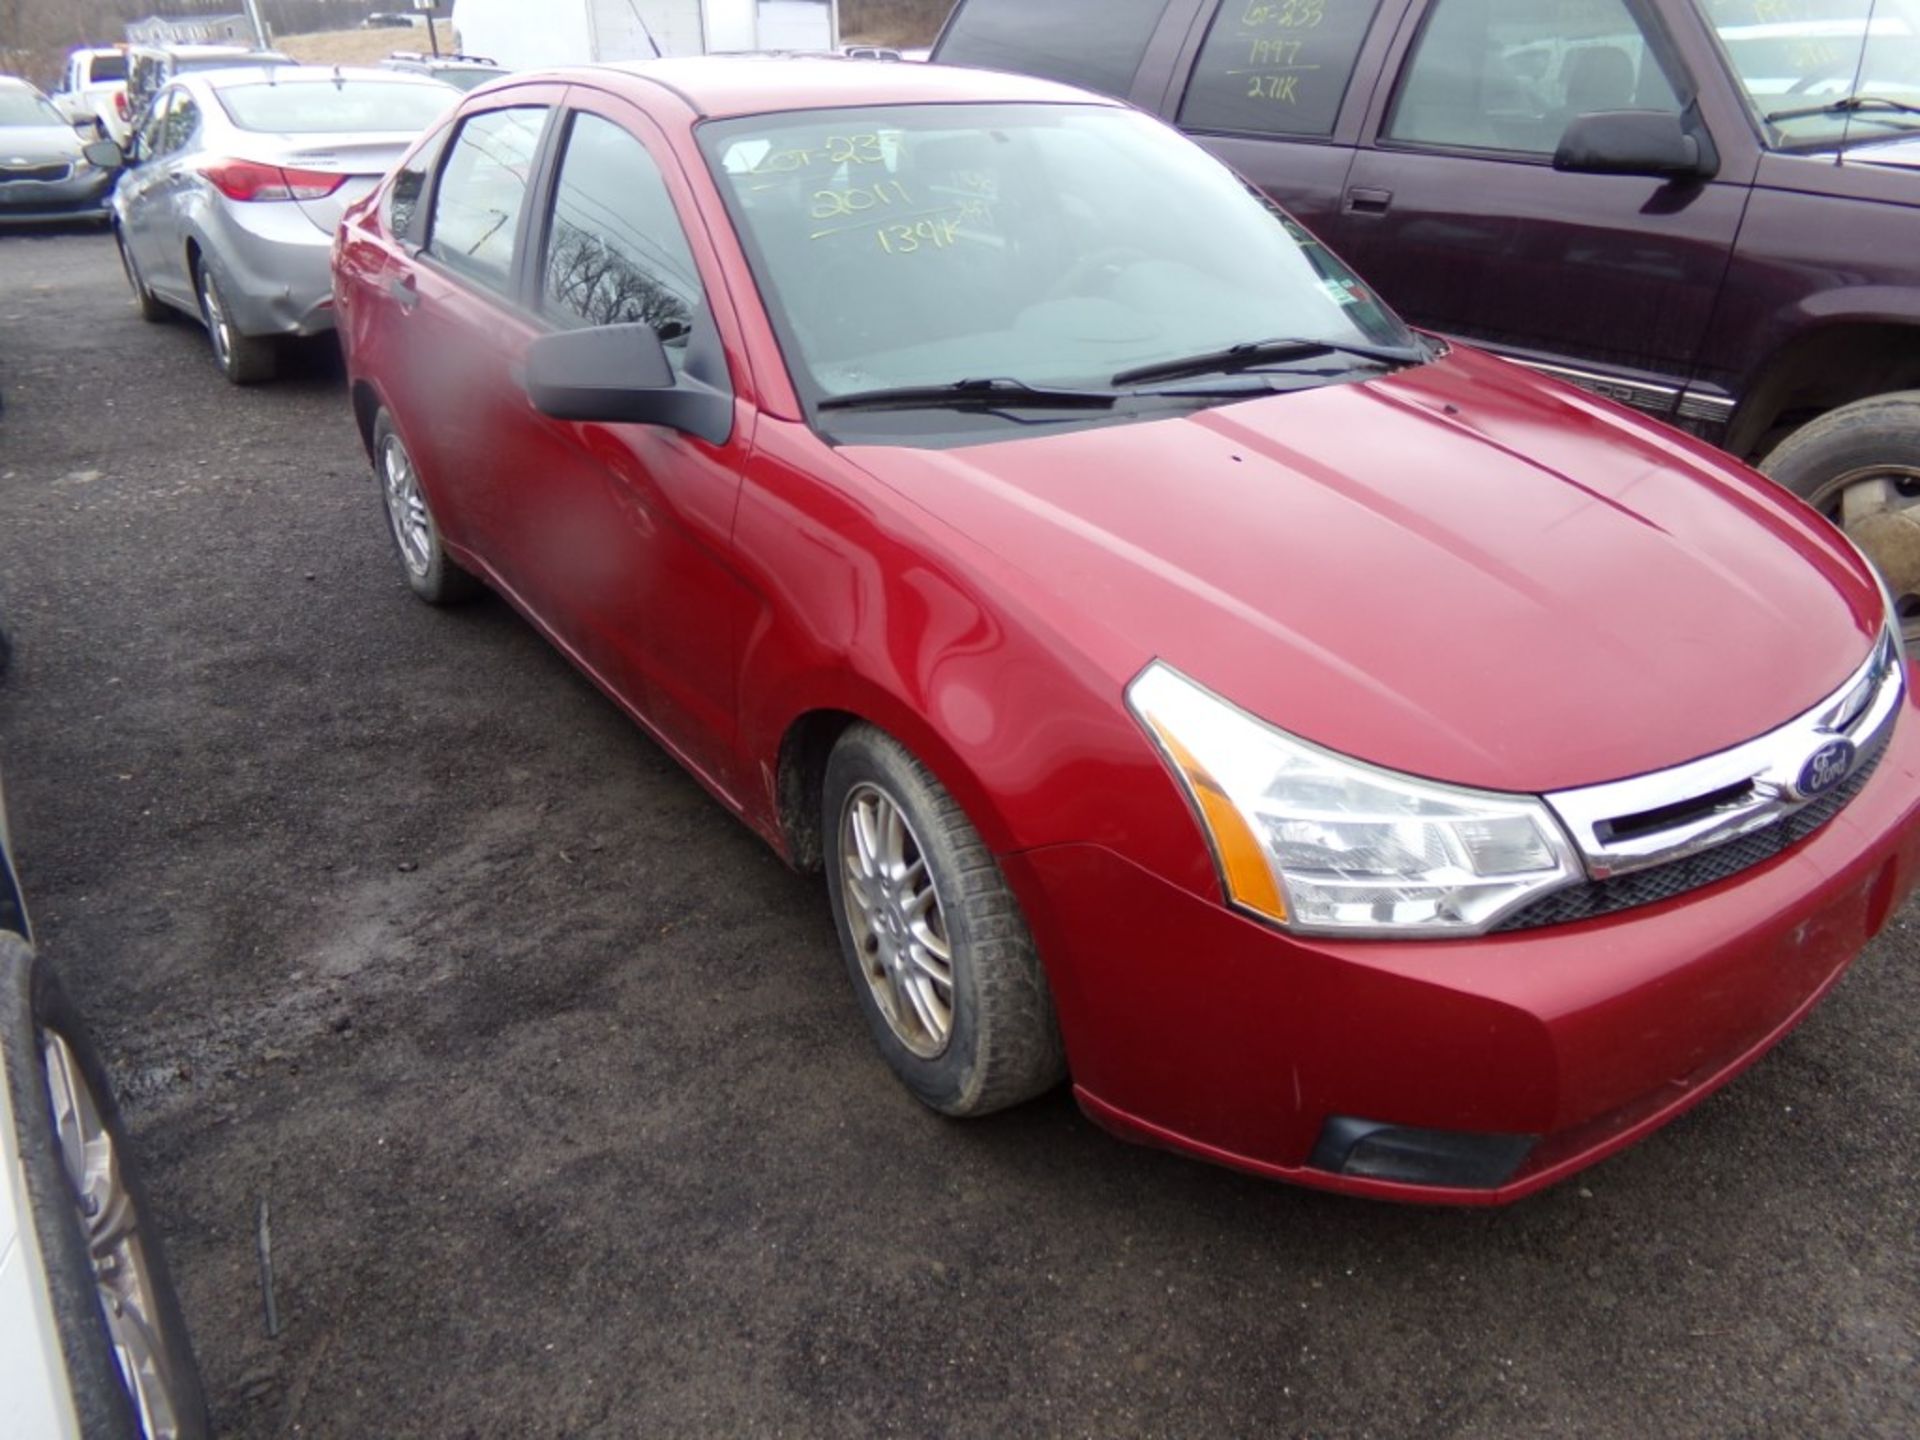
(1095, 44)
(1276, 67)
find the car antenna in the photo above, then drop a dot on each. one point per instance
(339, 80)
(1853, 91)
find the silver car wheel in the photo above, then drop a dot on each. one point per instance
(115, 1244)
(219, 328)
(1878, 506)
(406, 507)
(899, 930)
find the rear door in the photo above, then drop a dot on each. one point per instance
(1454, 212)
(1278, 89)
(155, 190)
(455, 325)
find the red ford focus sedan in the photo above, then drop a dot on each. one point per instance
(1349, 757)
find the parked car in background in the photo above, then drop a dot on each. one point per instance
(94, 88)
(1706, 209)
(229, 200)
(1354, 758)
(150, 67)
(464, 72)
(44, 171)
(91, 1338)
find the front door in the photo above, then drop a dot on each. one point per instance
(621, 533)
(1454, 212)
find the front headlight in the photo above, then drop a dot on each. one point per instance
(1316, 842)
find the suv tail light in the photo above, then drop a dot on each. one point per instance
(250, 180)
(120, 104)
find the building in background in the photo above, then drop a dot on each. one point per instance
(191, 30)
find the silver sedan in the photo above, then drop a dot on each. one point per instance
(236, 181)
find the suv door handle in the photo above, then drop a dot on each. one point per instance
(405, 293)
(1362, 201)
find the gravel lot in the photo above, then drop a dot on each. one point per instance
(569, 1126)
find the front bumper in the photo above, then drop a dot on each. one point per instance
(81, 196)
(1192, 1027)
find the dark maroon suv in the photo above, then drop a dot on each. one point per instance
(1708, 209)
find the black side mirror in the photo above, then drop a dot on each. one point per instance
(105, 154)
(620, 374)
(1636, 142)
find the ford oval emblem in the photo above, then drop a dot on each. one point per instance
(1825, 768)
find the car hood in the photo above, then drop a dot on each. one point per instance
(37, 144)
(1461, 571)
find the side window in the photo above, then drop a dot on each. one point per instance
(153, 129)
(183, 122)
(1510, 74)
(409, 184)
(483, 187)
(1276, 67)
(1096, 44)
(616, 253)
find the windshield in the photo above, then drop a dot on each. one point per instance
(335, 108)
(1803, 55)
(467, 77)
(20, 106)
(1056, 246)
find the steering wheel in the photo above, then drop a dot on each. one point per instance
(1105, 262)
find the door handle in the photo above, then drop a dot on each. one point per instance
(405, 293)
(1362, 201)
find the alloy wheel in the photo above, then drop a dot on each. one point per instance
(899, 930)
(116, 1242)
(406, 507)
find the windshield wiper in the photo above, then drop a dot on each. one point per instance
(998, 393)
(1261, 352)
(1845, 105)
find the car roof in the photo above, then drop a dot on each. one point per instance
(18, 82)
(718, 85)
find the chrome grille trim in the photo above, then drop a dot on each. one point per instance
(1758, 781)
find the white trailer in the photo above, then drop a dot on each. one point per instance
(531, 34)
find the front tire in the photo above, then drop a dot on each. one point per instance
(152, 308)
(125, 1343)
(243, 359)
(941, 960)
(435, 576)
(1860, 467)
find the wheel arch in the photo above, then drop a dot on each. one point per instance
(808, 738)
(1820, 369)
(366, 408)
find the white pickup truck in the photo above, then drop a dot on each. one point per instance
(94, 87)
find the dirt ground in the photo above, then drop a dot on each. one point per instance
(569, 1126)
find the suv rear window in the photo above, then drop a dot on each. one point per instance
(1096, 44)
(1276, 67)
(106, 67)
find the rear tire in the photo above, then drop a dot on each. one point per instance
(435, 576)
(1860, 467)
(941, 960)
(243, 359)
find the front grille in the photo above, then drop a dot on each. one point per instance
(1663, 882)
(56, 171)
